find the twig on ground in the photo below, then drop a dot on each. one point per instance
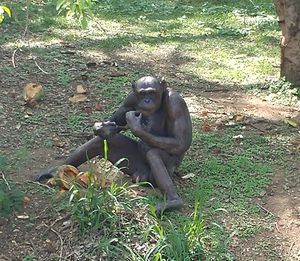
(13, 57)
(266, 210)
(60, 239)
(40, 184)
(60, 219)
(37, 65)
(276, 225)
(61, 242)
(291, 247)
(54, 222)
(5, 180)
(217, 90)
(212, 100)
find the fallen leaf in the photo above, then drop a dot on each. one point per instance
(238, 137)
(204, 113)
(295, 141)
(188, 176)
(206, 127)
(33, 91)
(22, 216)
(78, 98)
(58, 142)
(238, 117)
(80, 89)
(18, 126)
(292, 123)
(99, 106)
(29, 112)
(26, 200)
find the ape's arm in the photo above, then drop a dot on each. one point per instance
(176, 142)
(117, 121)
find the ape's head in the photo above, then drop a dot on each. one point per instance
(149, 93)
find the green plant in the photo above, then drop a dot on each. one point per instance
(75, 8)
(10, 198)
(97, 207)
(179, 243)
(3, 10)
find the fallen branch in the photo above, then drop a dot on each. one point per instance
(40, 184)
(37, 65)
(266, 210)
(61, 242)
(13, 57)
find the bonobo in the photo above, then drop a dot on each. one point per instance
(159, 117)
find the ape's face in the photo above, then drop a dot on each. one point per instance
(149, 92)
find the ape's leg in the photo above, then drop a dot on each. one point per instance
(158, 160)
(119, 147)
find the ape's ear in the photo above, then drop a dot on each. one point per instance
(163, 83)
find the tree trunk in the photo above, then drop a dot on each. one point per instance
(288, 12)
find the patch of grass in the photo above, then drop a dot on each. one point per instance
(14, 161)
(76, 121)
(11, 197)
(279, 91)
(98, 208)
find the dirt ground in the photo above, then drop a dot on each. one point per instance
(281, 199)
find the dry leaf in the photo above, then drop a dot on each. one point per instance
(26, 200)
(292, 123)
(238, 117)
(188, 176)
(67, 175)
(238, 137)
(58, 142)
(29, 112)
(204, 113)
(295, 141)
(206, 127)
(33, 91)
(99, 106)
(80, 89)
(23, 217)
(78, 98)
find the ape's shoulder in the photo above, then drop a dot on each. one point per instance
(174, 97)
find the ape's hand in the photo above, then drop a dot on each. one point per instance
(133, 119)
(105, 129)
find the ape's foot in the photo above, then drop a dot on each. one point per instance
(168, 205)
(139, 177)
(46, 174)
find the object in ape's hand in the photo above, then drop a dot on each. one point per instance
(160, 119)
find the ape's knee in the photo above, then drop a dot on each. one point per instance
(153, 155)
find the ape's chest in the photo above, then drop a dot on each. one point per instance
(155, 123)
